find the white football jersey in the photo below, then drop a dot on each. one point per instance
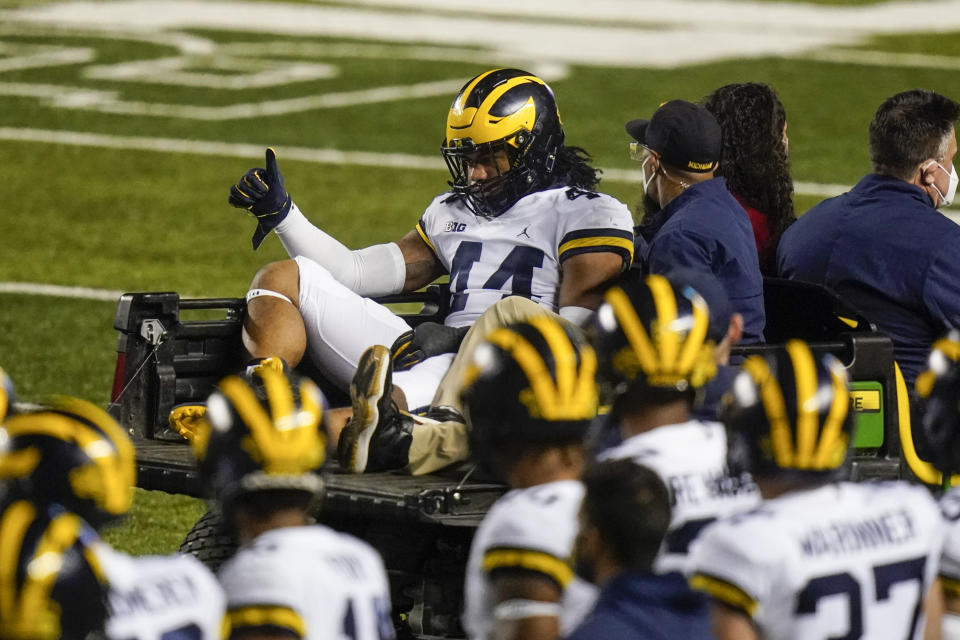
(171, 597)
(950, 563)
(520, 251)
(312, 581)
(841, 561)
(529, 529)
(690, 458)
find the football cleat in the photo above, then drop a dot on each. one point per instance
(377, 436)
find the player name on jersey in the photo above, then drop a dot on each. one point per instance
(695, 489)
(157, 594)
(891, 528)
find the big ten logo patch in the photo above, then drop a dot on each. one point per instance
(455, 226)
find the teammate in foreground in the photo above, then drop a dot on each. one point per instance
(529, 398)
(260, 447)
(67, 470)
(623, 518)
(659, 347)
(820, 558)
(938, 430)
(521, 218)
(53, 493)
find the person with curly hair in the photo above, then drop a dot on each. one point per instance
(754, 160)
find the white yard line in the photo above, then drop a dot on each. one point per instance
(60, 291)
(318, 156)
(306, 154)
(303, 154)
(225, 149)
(885, 59)
(108, 102)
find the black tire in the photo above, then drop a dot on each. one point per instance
(210, 541)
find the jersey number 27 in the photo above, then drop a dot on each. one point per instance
(885, 576)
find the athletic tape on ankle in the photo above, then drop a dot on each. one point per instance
(256, 293)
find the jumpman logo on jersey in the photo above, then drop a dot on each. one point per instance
(524, 232)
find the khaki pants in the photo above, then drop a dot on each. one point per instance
(438, 444)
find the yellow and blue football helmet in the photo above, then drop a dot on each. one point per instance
(509, 111)
(788, 410)
(262, 432)
(529, 383)
(653, 336)
(937, 429)
(70, 453)
(51, 583)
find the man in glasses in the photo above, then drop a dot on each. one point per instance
(692, 220)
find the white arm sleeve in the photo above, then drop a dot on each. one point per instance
(371, 271)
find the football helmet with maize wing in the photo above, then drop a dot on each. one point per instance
(655, 336)
(788, 410)
(262, 432)
(529, 383)
(71, 453)
(936, 429)
(507, 120)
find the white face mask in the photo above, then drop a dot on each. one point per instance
(643, 175)
(946, 199)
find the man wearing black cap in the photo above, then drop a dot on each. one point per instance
(699, 224)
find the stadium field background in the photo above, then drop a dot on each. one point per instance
(123, 124)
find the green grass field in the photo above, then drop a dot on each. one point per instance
(137, 219)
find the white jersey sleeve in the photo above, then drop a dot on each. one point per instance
(311, 582)
(844, 560)
(738, 575)
(531, 531)
(598, 224)
(690, 458)
(161, 598)
(950, 561)
(520, 252)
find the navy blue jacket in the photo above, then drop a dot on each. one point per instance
(706, 228)
(884, 249)
(641, 606)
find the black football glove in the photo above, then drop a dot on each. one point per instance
(427, 340)
(261, 192)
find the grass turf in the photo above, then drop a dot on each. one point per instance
(130, 220)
